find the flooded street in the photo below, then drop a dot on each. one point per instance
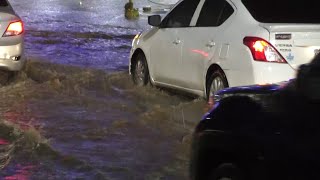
(79, 32)
(74, 112)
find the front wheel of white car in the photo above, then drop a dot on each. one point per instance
(140, 71)
(216, 82)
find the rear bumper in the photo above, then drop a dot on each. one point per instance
(268, 73)
(12, 57)
(260, 73)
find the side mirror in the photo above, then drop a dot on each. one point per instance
(154, 20)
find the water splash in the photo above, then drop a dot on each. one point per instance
(77, 122)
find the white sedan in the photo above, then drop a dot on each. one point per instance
(202, 46)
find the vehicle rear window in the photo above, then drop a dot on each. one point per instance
(284, 11)
(3, 3)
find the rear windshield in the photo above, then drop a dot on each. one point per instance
(284, 11)
(3, 3)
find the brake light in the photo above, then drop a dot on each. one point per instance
(14, 29)
(262, 50)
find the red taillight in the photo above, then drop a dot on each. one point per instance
(262, 50)
(14, 29)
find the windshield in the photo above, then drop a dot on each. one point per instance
(285, 11)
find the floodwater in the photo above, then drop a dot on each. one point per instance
(74, 113)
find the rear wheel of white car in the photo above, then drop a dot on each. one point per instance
(140, 71)
(216, 82)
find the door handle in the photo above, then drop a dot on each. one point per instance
(210, 44)
(177, 41)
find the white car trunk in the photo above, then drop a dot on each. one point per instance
(297, 43)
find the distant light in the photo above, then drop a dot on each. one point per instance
(80, 3)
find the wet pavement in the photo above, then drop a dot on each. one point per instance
(74, 112)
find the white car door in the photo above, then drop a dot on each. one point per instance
(203, 46)
(166, 48)
(165, 53)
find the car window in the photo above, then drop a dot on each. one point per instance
(284, 11)
(181, 15)
(214, 13)
(3, 3)
(226, 13)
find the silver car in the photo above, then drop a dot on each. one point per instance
(11, 42)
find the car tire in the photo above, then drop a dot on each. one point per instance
(140, 71)
(216, 82)
(226, 171)
(5, 77)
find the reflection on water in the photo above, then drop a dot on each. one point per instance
(23, 173)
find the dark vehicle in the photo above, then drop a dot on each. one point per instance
(261, 132)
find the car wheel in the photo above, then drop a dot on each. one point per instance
(226, 171)
(217, 82)
(140, 71)
(5, 77)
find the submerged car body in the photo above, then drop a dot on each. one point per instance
(12, 39)
(202, 46)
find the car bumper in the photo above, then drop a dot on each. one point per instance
(268, 73)
(12, 57)
(260, 73)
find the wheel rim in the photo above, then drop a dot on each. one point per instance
(139, 73)
(216, 85)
